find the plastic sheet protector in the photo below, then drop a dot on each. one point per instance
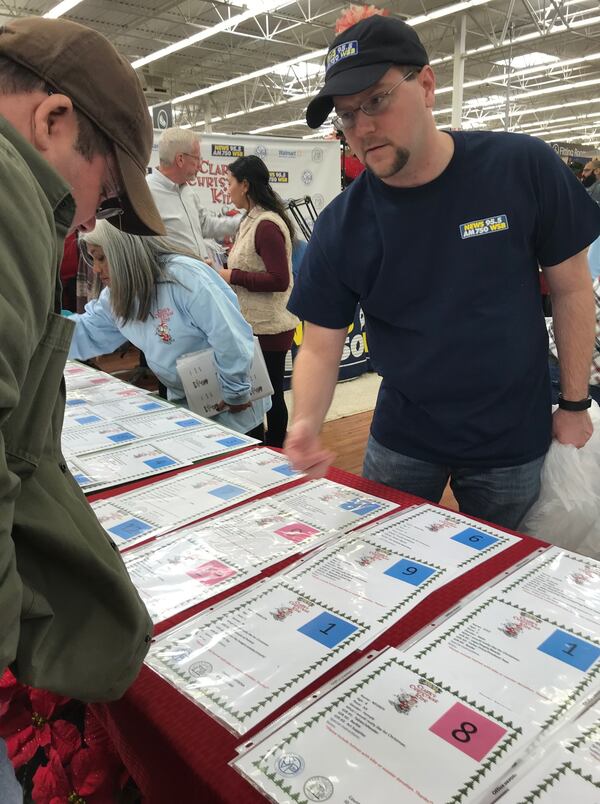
(137, 515)
(517, 660)
(112, 467)
(568, 771)
(252, 653)
(191, 565)
(389, 733)
(442, 538)
(78, 410)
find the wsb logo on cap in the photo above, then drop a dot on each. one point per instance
(341, 52)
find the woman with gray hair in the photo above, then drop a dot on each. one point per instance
(167, 303)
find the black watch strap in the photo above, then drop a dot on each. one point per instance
(582, 404)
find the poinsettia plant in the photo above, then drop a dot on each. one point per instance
(355, 14)
(60, 752)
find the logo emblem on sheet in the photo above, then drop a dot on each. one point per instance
(290, 764)
(341, 52)
(484, 226)
(318, 788)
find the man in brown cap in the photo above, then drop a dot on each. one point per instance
(75, 139)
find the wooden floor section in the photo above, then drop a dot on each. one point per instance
(346, 437)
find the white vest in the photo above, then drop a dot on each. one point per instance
(265, 311)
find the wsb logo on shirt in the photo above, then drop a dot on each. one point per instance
(484, 226)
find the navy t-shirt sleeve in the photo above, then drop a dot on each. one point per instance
(568, 219)
(319, 295)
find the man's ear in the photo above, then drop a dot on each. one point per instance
(53, 117)
(426, 79)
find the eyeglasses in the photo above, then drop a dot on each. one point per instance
(376, 104)
(193, 156)
(112, 205)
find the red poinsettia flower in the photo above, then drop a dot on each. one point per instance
(85, 781)
(12, 695)
(28, 727)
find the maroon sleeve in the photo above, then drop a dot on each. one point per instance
(269, 243)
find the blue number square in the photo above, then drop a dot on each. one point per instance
(474, 538)
(285, 469)
(160, 462)
(230, 441)
(327, 629)
(187, 423)
(227, 492)
(87, 419)
(409, 571)
(130, 528)
(367, 508)
(150, 406)
(73, 402)
(82, 479)
(120, 437)
(570, 649)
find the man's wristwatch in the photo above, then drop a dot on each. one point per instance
(582, 404)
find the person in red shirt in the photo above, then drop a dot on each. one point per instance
(260, 272)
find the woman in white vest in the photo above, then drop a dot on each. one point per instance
(260, 272)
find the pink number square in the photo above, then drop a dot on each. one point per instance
(296, 532)
(467, 730)
(211, 572)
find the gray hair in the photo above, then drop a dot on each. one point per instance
(175, 141)
(136, 264)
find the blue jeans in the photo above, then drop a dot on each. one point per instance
(10, 789)
(502, 495)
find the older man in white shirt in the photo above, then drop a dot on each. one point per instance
(186, 221)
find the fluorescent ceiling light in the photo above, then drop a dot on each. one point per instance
(556, 29)
(261, 7)
(240, 79)
(534, 59)
(446, 11)
(487, 100)
(301, 122)
(61, 8)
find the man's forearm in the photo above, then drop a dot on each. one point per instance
(574, 329)
(313, 383)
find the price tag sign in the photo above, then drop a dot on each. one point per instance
(467, 730)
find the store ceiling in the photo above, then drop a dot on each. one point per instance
(559, 100)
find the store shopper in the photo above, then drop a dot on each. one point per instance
(72, 139)
(167, 304)
(440, 240)
(260, 271)
(187, 222)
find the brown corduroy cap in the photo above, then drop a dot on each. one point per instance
(82, 64)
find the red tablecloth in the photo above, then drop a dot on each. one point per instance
(177, 753)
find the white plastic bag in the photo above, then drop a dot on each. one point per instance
(567, 512)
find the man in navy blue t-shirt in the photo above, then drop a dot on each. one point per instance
(441, 240)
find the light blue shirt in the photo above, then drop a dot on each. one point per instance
(196, 311)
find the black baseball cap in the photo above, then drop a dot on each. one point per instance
(360, 56)
(81, 63)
